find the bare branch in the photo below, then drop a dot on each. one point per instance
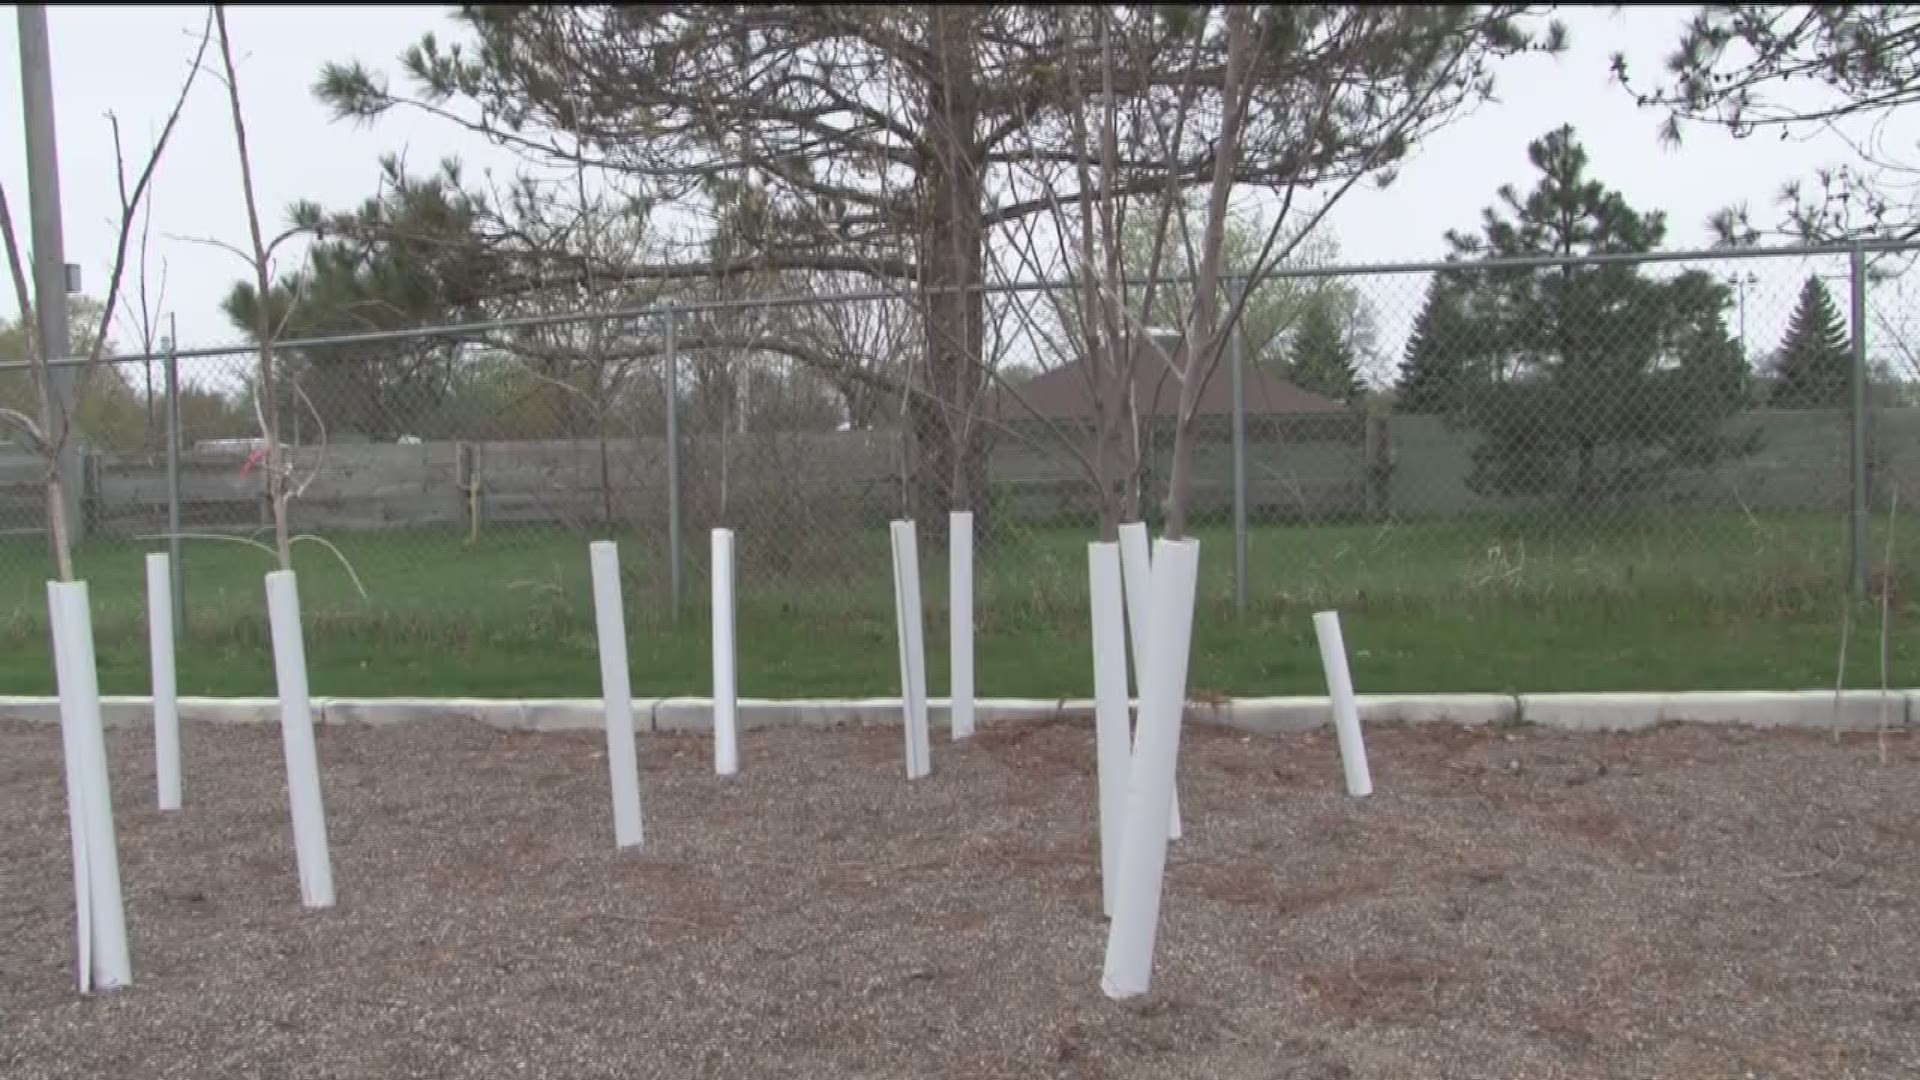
(129, 200)
(267, 414)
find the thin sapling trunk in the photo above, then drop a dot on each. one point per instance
(264, 400)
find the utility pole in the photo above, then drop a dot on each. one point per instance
(49, 249)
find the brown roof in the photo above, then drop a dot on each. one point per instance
(1066, 392)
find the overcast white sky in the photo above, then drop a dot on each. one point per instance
(129, 60)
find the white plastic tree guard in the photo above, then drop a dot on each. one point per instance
(1143, 854)
(166, 704)
(1346, 711)
(960, 622)
(726, 721)
(1137, 566)
(913, 656)
(616, 690)
(101, 921)
(296, 740)
(1113, 749)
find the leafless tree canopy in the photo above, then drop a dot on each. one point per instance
(902, 143)
(48, 436)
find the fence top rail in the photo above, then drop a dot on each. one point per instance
(655, 311)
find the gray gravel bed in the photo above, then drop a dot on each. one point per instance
(1684, 903)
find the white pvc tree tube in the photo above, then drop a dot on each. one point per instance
(616, 689)
(913, 657)
(1346, 713)
(1143, 854)
(76, 792)
(726, 729)
(960, 622)
(1113, 752)
(101, 922)
(1137, 567)
(296, 739)
(166, 707)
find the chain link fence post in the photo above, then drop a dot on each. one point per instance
(175, 573)
(673, 464)
(1236, 291)
(1858, 478)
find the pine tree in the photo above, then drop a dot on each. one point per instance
(1609, 378)
(1814, 366)
(1322, 359)
(1437, 369)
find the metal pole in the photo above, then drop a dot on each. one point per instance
(49, 249)
(1238, 344)
(673, 465)
(1745, 280)
(1857, 267)
(174, 569)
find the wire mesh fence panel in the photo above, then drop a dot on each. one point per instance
(1566, 432)
(1587, 469)
(1890, 305)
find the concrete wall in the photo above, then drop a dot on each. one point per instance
(1800, 462)
(372, 486)
(1298, 469)
(1291, 474)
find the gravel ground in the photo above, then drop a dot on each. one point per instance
(1683, 903)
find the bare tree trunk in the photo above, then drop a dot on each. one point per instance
(153, 424)
(1116, 374)
(57, 522)
(263, 318)
(1202, 339)
(950, 455)
(606, 483)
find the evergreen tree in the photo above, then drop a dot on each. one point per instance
(1437, 371)
(1814, 366)
(1322, 358)
(408, 257)
(1606, 378)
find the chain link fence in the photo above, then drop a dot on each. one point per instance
(1512, 447)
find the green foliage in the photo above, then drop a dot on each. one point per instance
(409, 257)
(1442, 358)
(110, 415)
(210, 414)
(1603, 379)
(1322, 357)
(1813, 369)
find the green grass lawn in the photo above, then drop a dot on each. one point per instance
(1482, 604)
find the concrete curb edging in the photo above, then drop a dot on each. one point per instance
(1859, 710)
(1267, 716)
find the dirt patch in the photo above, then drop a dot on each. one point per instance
(1680, 903)
(1394, 989)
